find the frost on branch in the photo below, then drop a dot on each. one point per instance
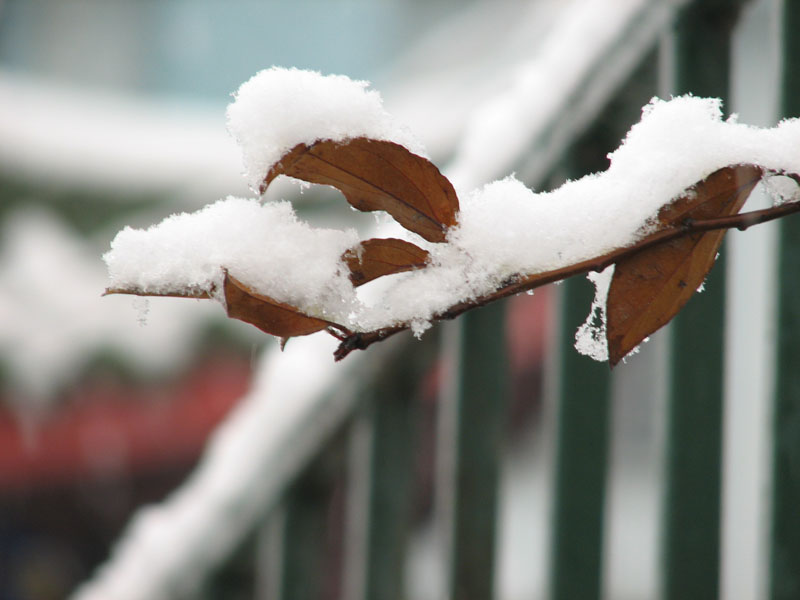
(658, 213)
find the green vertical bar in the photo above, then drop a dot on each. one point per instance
(304, 537)
(235, 578)
(388, 508)
(482, 401)
(393, 416)
(785, 543)
(581, 457)
(691, 550)
(583, 403)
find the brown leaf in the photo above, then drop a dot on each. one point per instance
(377, 175)
(650, 287)
(271, 316)
(378, 257)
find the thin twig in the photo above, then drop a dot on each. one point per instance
(198, 294)
(741, 221)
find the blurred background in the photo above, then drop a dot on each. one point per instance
(112, 113)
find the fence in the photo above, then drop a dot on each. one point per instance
(340, 523)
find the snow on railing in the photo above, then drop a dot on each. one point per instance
(88, 139)
(169, 547)
(554, 94)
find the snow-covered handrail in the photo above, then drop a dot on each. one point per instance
(106, 141)
(556, 93)
(274, 431)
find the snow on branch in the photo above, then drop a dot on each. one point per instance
(658, 213)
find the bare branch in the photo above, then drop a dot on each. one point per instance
(199, 294)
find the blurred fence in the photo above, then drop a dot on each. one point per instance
(342, 524)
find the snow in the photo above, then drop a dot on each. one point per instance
(505, 229)
(279, 108)
(264, 245)
(171, 526)
(590, 339)
(508, 122)
(73, 135)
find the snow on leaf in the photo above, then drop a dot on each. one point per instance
(277, 109)
(377, 175)
(378, 257)
(650, 287)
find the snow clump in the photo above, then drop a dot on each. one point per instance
(278, 108)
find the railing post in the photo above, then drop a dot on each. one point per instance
(475, 449)
(381, 477)
(691, 545)
(583, 385)
(302, 552)
(784, 581)
(580, 458)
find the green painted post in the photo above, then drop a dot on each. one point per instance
(235, 578)
(691, 550)
(784, 581)
(304, 528)
(392, 415)
(583, 402)
(479, 418)
(581, 458)
(389, 498)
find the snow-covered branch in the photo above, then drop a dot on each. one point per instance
(273, 270)
(740, 221)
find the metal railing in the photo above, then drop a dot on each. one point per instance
(341, 525)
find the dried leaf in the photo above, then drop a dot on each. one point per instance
(273, 317)
(650, 287)
(378, 257)
(378, 175)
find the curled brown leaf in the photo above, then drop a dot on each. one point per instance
(378, 257)
(649, 287)
(377, 175)
(269, 315)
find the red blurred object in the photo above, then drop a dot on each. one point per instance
(111, 428)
